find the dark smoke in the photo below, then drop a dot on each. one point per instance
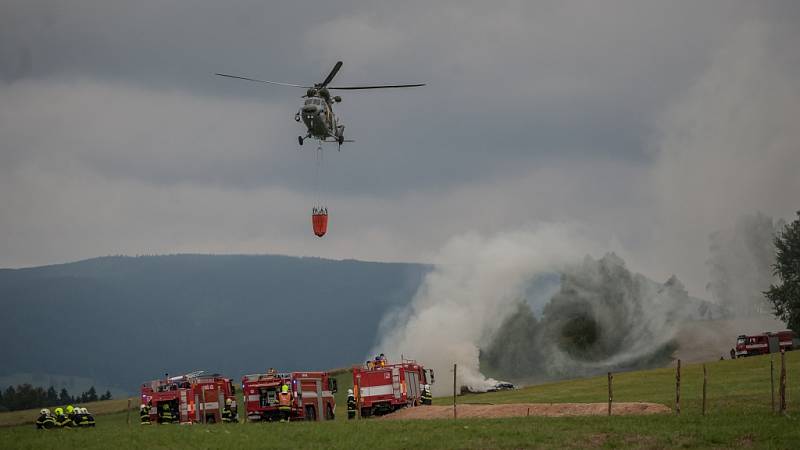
(603, 318)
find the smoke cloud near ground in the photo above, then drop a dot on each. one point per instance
(740, 265)
(470, 293)
(473, 310)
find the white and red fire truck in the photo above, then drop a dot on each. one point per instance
(196, 397)
(381, 388)
(312, 395)
(767, 342)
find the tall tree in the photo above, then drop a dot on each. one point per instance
(52, 396)
(10, 396)
(63, 396)
(785, 295)
(91, 395)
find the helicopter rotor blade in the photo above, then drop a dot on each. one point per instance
(333, 73)
(385, 86)
(262, 81)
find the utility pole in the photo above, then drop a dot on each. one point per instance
(455, 376)
(678, 389)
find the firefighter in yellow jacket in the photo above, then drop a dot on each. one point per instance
(285, 403)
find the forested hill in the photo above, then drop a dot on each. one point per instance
(123, 320)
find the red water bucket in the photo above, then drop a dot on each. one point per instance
(320, 223)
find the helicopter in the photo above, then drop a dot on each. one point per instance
(316, 113)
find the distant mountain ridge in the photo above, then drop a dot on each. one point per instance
(122, 320)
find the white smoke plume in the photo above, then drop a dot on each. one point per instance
(469, 294)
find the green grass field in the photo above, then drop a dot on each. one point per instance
(738, 416)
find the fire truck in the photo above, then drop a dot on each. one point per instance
(312, 395)
(381, 388)
(767, 342)
(196, 397)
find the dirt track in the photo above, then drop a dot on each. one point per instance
(524, 409)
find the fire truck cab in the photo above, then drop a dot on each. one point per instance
(312, 395)
(767, 342)
(196, 397)
(382, 388)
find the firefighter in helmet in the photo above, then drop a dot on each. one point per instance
(45, 420)
(166, 415)
(76, 416)
(285, 403)
(227, 413)
(88, 418)
(144, 414)
(426, 397)
(351, 405)
(63, 420)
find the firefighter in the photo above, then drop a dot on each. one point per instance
(76, 416)
(285, 403)
(45, 420)
(227, 413)
(63, 420)
(87, 418)
(351, 405)
(70, 411)
(166, 415)
(144, 414)
(427, 398)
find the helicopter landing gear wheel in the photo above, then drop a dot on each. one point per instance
(300, 140)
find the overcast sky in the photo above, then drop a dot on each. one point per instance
(647, 123)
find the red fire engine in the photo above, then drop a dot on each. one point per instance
(381, 388)
(767, 342)
(312, 395)
(194, 397)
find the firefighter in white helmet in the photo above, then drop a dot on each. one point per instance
(351, 405)
(427, 397)
(227, 413)
(144, 414)
(45, 420)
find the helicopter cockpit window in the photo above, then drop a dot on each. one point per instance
(309, 101)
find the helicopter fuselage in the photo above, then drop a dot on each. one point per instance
(318, 117)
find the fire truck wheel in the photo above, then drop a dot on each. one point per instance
(311, 413)
(329, 413)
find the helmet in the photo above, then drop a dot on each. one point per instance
(284, 388)
(142, 406)
(44, 411)
(228, 401)
(166, 406)
(349, 392)
(84, 411)
(59, 411)
(70, 409)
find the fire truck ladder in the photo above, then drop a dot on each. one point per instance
(396, 382)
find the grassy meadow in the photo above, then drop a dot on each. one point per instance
(738, 416)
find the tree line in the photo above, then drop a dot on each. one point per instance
(26, 396)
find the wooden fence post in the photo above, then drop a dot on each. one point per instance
(772, 380)
(783, 382)
(128, 418)
(455, 372)
(610, 393)
(678, 389)
(705, 382)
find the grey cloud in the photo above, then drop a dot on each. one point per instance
(116, 138)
